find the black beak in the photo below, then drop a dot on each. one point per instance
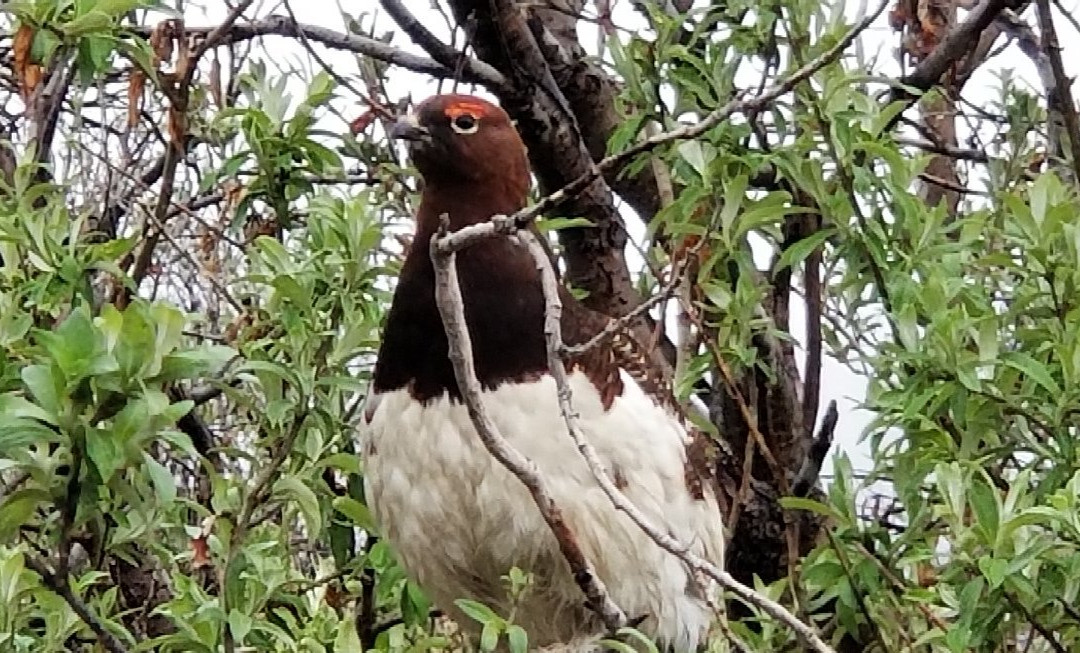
(408, 128)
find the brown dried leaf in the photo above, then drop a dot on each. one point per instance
(200, 549)
(934, 19)
(361, 123)
(334, 597)
(926, 575)
(233, 192)
(177, 127)
(161, 41)
(236, 327)
(215, 82)
(135, 96)
(183, 50)
(207, 242)
(27, 72)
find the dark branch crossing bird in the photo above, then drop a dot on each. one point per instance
(457, 519)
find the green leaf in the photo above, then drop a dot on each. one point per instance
(698, 154)
(798, 251)
(164, 482)
(13, 405)
(306, 501)
(346, 462)
(985, 505)
(518, 639)
(45, 44)
(907, 327)
(994, 570)
(1039, 194)
(734, 196)
(886, 115)
(18, 433)
(239, 625)
(118, 8)
(809, 505)
(357, 512)
(556, 224)
(72, 345)
(951, 486)
(208, 359)
(103, 450)
(415, 605)
(89, 23)
(489, 637)
(18, 507)
(347, 639)
(1033, 369)
(41, 382)
(135, 345)
(477, 611)
(646, 643)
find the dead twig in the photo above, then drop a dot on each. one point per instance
(452, 310)
(448, 296)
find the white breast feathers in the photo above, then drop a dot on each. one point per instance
(458, 520)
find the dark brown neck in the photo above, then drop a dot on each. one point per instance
(465, 203)
(500, 287)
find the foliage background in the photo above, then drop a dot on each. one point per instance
(198, 238)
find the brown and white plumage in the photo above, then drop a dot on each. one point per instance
(456, 518)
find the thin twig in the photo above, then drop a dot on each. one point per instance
(448, 297)
(473, 69)
(553, 337)
(179, 96)
(62, 588)
(808, 473)
(375, 106)
(252, 501)
(422, 36)
(618, 325)
(452, 309)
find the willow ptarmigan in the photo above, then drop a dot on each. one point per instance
(457, 519)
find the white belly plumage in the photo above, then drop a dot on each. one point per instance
(458, 520)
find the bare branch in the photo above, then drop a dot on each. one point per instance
(472, 70)
(955, 45)
(1061, 93)
(811, 467)
(62, 588)
(553, 337)
(452, 310)
(177, 147)
(448, 296)
(420, 35)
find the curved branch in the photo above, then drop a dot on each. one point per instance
(472, 70)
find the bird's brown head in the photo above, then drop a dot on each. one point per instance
(465, 145)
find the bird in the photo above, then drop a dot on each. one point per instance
(457, 520)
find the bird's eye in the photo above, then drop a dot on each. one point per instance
(465, 124)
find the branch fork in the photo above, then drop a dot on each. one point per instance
(444, 247)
